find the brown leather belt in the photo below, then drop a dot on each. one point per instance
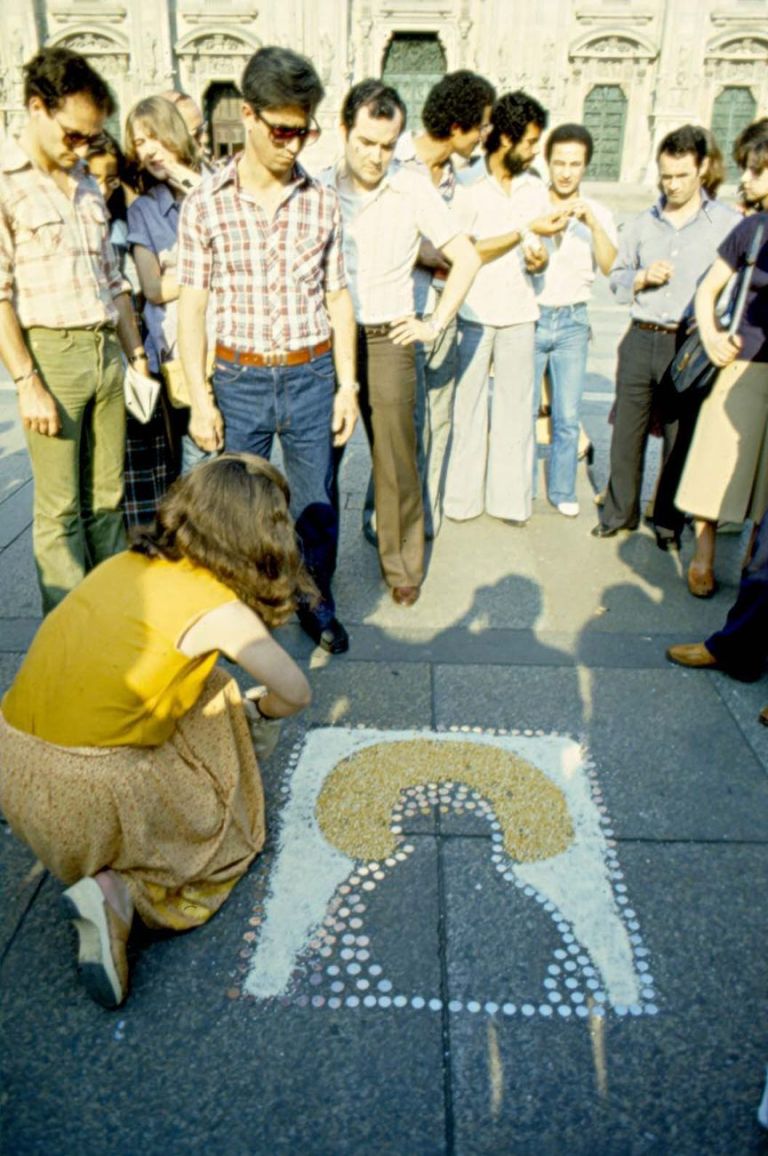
(653, 328)
(268, 360)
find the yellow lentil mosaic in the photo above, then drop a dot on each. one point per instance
(354, 808)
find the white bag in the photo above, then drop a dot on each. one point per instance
(141, 394)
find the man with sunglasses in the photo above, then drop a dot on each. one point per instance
(265, 239)
(65, 310)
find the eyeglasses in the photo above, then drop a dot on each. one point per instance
(78, 140)
(281, 134)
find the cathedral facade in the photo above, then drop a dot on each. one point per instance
(629, 69)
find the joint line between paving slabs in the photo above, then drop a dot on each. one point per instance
(23, 915)
(445, 1022)
(717, 685)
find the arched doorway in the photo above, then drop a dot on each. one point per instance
(605, 115)
(413, 63)
(222, 113)
(732, 111)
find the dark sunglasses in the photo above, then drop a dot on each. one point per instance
(284, 133)
(78, 140)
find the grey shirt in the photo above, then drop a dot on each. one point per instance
(691, 250)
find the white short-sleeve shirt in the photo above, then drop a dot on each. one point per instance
(568, 278)
(502, 292)
(382, 233)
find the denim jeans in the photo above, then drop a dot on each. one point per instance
(296, 403)
(562, 337)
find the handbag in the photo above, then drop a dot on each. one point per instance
(176, 381)
(141, 394)
(691, 367)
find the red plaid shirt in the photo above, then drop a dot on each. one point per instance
(57, 266)
(268, 278)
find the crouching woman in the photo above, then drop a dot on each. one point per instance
(126, 758)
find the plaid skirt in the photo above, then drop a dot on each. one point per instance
(181, 822)
(150, 467)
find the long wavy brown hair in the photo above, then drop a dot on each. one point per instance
(230, 516)
(162, 121)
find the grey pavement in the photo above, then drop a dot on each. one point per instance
(452, 995)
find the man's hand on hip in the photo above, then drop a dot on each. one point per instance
(37, 408)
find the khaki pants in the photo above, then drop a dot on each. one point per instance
(78, 475)
(388, 400)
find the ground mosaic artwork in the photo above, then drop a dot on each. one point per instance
(349, 794)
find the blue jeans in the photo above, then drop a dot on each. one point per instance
(562, 337)
(296, 403)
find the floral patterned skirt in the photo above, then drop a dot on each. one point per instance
(181, 823)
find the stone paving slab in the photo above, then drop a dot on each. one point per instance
(659, 740)
(189, 1069)
(685, 1080)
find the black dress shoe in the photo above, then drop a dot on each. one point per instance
(601, 531)
(332, 638)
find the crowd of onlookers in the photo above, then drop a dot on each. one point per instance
(430, 283)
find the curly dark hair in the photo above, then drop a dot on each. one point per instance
(512, 113)
(53, 74)
(459, 98)
(230, 516)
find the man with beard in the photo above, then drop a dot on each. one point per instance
(502, 206)
(662, 255)
(65, 312)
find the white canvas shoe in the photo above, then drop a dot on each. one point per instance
(569, 509)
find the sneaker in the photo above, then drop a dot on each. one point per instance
(569, 509)
(102, 961)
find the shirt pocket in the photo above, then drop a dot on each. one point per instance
(39, 228)
(308, 259)
(93, 216)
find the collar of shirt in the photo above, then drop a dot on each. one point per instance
(342, 182)
(164, 198)
(228, 174)
(13, 158)
(705, 207)
(406, 155)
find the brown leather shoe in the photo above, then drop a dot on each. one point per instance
(693, 654)
(405, 595)
(763, 716)
(701, 582)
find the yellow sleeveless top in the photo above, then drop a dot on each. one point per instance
(103, 669)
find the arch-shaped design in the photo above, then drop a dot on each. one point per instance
(338, 823)
(738, 46)
(613, 43)
(354, 807)
(91, 40)
(214, 42)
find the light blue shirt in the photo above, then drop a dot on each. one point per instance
(691, 250)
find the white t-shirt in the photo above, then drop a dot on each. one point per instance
(567, 279)
(502, 292)
(382, 233)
